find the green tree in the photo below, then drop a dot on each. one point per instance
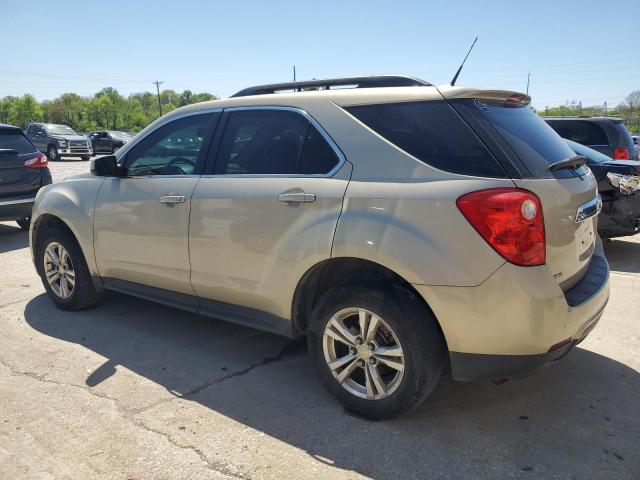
(25, 110)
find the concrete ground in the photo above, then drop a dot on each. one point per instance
(134, 390)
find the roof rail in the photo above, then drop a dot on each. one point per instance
(358, 82)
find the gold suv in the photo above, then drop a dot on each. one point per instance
(404, 228)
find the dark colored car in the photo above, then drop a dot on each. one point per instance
(108, 141)
(57, 141)
(607, 135)
(23, 171)
(619, 187)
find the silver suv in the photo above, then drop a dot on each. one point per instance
(408, 230)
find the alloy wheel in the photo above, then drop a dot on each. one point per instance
(52, 153)
(363, 353)
(58, 270)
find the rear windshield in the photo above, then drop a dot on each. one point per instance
(10, 139)
(433, 133)
(533, 142)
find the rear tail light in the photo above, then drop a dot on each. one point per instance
(511, 222)
(40, 161)
(620, 154)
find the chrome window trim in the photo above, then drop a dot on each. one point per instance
(334, 146)
(122, 152)
(16, 202)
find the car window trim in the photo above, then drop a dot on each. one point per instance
(206, 143)
(210, 166)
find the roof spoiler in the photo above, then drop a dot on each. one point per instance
(354, 82)
(505, 97)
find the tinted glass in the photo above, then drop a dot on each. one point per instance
(261, 142)
(586, 133)
(15, 141)
(433, 133)
(172, 149)
(529, 138)
(592, 155)
(317, 155)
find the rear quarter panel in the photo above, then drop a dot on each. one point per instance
(402, 214)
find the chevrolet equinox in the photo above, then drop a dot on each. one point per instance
(406, 229)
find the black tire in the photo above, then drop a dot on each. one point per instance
(24, 223)
(86, 157)
(84, 293)
(416, 330)
(52, 153)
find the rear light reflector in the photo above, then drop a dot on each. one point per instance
(40, 161)
(511, 222)
(559, 345)
(620, 154)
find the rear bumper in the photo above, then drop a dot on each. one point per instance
(476, 366)
(16, 208)
(506, 326)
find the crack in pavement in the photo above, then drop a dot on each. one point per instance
(291, 348)
(129, 416)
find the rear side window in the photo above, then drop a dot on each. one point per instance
(586, 133)
(523, 136)
(272, 142)
(433, 133)
(10, 139)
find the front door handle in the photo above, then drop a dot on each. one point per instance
(300, 197)
(172, 198)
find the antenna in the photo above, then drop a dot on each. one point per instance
(528, 77)
(455, 77)
(294, 73)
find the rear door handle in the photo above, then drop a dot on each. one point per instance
(172, 198)
(300, 197)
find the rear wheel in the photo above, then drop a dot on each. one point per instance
(52, 153)
(377, 349)
(64, 272)
(86, 157)
(24, 223)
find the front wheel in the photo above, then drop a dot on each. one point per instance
(64, 272)
(52, 153)
(377, 349)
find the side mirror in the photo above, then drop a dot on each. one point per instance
(106, 166)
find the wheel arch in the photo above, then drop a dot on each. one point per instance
(67, 205)
(339, 271)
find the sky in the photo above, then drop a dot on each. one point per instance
(586, 50)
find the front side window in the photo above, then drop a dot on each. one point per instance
(273, 142)
(173, 149)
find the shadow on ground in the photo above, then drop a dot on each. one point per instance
(578, 417)
(623, 254)
(12, 238)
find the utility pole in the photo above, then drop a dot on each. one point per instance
(294, 73)
(157, 84)
(528, 76)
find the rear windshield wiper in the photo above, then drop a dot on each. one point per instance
(8, 151)
(568, 163)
